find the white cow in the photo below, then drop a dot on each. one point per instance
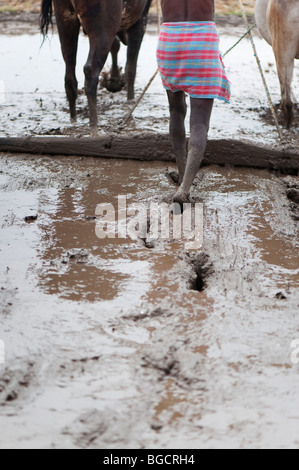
(278, 22)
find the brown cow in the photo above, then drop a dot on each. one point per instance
(102, 21)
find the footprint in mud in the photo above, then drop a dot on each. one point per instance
(293, 197)
(79, 256)
(31, 218)
(149, 244)
(13, 383)
(7, 298)
(171, 360)
(202, 269)
(173, 176)
(96, 429)
(281, 296)
(87, 428)
(148, 314)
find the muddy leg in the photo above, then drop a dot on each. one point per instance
(101, 25)
(285, 68)
(135, 36)
(178, 110)
(285, 45)
(95, 62)
(115, 82)
(201, 110)
(68, 27)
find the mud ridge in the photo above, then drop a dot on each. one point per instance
(203, 269)
(177, 362)
(87, 428)
(14, 384)
(105, 429)
(293, 197)
(148, 314)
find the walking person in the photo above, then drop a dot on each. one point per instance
(189, 62)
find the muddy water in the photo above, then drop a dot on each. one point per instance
(108, 343)
(35, 99)
(129, 343)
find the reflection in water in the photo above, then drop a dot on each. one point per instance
(83, 298)
(79, 266)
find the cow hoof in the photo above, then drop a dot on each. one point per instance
(113, 83)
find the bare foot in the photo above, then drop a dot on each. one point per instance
(181, 198)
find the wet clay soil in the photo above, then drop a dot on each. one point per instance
(35, 102)
(109, 343)
(121, 343)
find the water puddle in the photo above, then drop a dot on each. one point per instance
(35, 102)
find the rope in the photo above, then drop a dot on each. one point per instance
(248, 33)
(261, 71)
(129, 115)
(238, 42)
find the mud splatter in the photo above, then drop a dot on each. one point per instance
(118, 343)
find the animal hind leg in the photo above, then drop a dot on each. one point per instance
(135, 37)
(101, 21)
(97, 57)
(284, 47)
(115, 82)
(68, 26)
(285, 68)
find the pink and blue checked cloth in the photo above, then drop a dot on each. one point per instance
(189, 60)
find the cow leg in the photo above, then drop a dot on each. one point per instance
(285, 47)
(115, 82)
(114, 54)
(285, 73)
(97, 57)
(68, 26)
(284, 55)
(101, 25)
(287, 104)
(135, 37)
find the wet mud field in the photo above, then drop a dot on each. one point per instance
(140, 343)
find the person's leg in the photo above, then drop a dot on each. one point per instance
(201, 110)
(178, 109)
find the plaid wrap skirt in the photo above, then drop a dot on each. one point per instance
(189, 60)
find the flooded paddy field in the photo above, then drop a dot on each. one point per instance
(35, 102)
(139, 343)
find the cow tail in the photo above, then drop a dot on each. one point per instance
(46, 16)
